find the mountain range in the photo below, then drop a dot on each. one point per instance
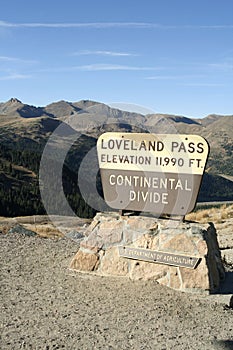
(25, 130)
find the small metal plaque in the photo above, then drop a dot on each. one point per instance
(159, 257)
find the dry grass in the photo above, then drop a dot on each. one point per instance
(215, 215)
(45, 231)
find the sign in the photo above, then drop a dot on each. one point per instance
(152, 173)
(158, 257)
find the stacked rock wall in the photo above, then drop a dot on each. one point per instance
(99, 252)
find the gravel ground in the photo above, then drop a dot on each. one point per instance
(46, 306)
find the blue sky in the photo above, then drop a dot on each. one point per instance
(170, 56)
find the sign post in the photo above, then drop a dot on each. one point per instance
(153, 173)
(160, 174)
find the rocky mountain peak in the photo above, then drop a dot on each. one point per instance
(14, 100)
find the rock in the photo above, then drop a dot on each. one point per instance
(105, 233)
(180, 242)
(75, 235)
(176, 243)
(197, 278)
(141, 270)
(112, 264)
(21, 230)
(227, 256)
(84, 261)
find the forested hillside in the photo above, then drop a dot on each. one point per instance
(19, 182)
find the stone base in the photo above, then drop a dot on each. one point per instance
(99, 251)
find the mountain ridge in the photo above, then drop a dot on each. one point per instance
(25, 130)
(64, 108)
(93, 118)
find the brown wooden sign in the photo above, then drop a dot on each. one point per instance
(152, 173)
(159, 257)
